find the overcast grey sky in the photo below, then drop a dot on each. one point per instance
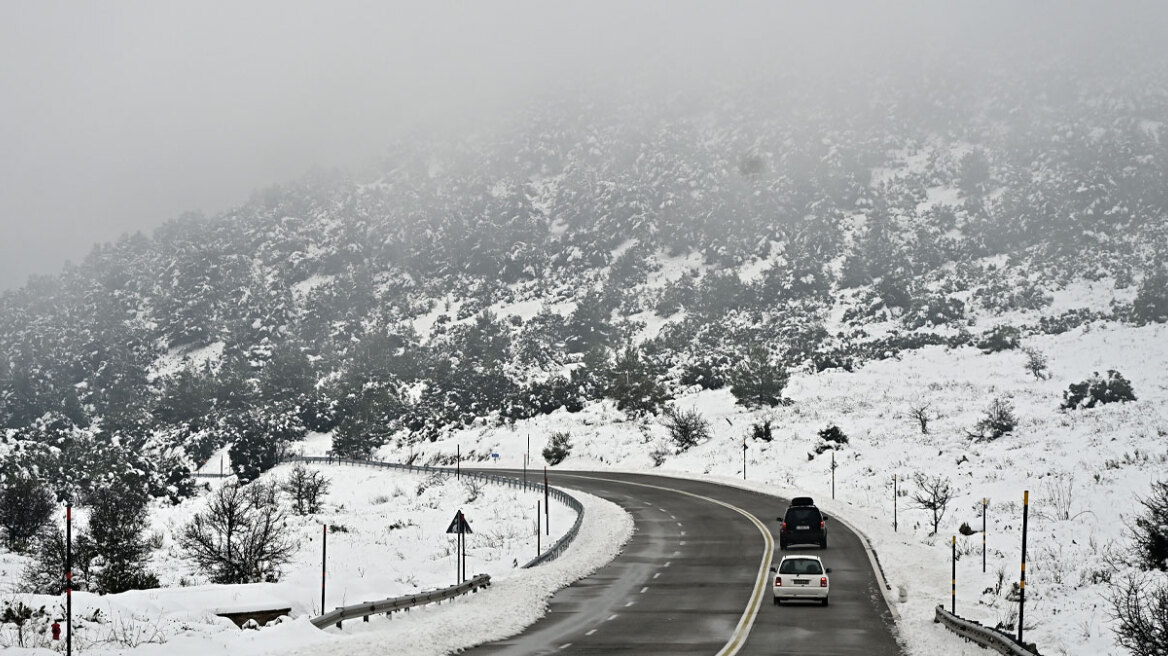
(117, 116)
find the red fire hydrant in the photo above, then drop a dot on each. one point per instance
(56, 631)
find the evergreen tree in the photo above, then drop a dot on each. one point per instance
(758, 381)
(590, 325)
(634, 385)
(25, 506)
(117, 520)
(258, 441)
(1151, 302)
(371, 424)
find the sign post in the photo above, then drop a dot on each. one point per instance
(461, 527)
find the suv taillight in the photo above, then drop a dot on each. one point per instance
(784, 528)
(822, 524)
(823, 581)
(778, 581)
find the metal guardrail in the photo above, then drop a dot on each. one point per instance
(982, 635)
(551, 553)
(367, 608)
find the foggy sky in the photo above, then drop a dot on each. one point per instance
(117, 116)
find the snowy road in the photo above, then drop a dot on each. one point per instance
(694, 580)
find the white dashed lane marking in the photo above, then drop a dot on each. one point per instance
(644, 589)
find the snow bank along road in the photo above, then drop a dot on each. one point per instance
(695, 579)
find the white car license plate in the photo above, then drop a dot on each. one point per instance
(802, 528)
(800, 581)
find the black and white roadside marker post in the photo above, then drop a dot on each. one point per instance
(744, 458)
(323, 564)
(69, 576)
(984, 502)
(547, 518)
(953, 608)
(537, 547)
(1022, 584)
(833, 473)
(894, 503)
(458, 461)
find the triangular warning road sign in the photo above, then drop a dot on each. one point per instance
(458, 522)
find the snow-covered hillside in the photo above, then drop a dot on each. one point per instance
(1084, 470)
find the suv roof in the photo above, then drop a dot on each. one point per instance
(802, 501)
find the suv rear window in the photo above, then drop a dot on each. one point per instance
(803, 515)
(800, 566)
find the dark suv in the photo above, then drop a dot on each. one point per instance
(803, 524)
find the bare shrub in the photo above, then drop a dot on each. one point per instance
(923, 414)
(241, 537)
(933, 494)
(1140, 609)
(306, 487)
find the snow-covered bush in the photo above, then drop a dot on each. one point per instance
(1097, 391)
(687, 428)
(1002, 337)
(558, 447)
(1151, 529)
(831, 438)
(1151, 302)
(998, 420)
(761, 430)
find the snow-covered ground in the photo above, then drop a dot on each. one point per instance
(1084, 470)
(386, 538)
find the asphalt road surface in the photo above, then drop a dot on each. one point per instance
(695, 579)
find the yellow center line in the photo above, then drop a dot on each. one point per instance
(762, 581)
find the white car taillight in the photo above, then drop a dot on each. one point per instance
(823, 581)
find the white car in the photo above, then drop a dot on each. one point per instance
(801, 577)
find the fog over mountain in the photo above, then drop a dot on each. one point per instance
(117, 118)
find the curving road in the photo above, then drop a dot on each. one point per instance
(694, 579)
